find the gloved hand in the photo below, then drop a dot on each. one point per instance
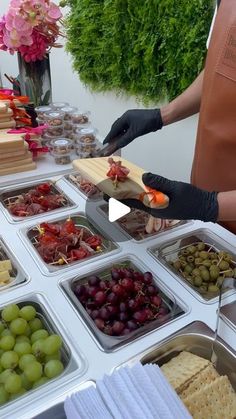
(133, 124)
(186, 201)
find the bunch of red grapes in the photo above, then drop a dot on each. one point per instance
(125, 302)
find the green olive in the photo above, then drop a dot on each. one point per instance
(205, 275)
(177, 265)
(197, 281)
(213, 288)
(207, 263)
(196, 272)
(188, 269)
(228, 257)
(184, 252)
(220, 281)
(202, 268)
(190, 258)
(183, 263)
(229, 273)
(214, 272)
(213, 255)
(191, 249)
(196, 254)
(182, 258)
(203, 288)
(198, 261)
(223, 265)
(215, 262)
(201, 246)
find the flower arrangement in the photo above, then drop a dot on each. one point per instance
(30, 27)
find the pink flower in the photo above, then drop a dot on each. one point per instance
(37, 50)
(54, 12)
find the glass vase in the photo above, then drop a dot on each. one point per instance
(35, 80)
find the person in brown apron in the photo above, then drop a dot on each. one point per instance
(212, 193)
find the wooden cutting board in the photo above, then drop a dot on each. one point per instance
(95, 171)
(9, 142)
(17, 169)
(21, 162)
(26, 154)
(9, 154)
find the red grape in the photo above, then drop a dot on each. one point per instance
(108, 330)
(118, 328)
(94, 314)
(115, 274)
(112, 298)
(151, 290)
(138, 276)
(79, 290)
(156, 300)
(92, 291)
(127, 284)
(118, 290)
(103, 286)
(100, 297)
(147, 278)
(126, 331)
(131, 325)
(123, 316)
(133, 305)
(113, 311)
(163, 310)
(104, 313)
(140, 316)
(91, 305)
(93, 280)
(123, 306)
(138, 286)
(99, 323)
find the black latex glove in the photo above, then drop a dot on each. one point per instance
(186, 201)
(133, 124)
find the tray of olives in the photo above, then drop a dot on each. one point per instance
(201, 259)
(121, 302)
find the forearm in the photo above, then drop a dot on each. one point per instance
(185, 105)
(227, 206)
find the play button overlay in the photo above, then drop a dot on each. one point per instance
(116, 210)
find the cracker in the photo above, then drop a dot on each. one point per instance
(216, 400)
(204, 377)
(181, 369)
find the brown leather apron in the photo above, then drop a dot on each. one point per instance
(214, 164)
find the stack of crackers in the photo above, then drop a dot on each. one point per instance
(6, 116)
(15, 156)
(205, 393)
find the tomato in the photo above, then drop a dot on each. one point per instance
(68, 227)
(44, 188)
(93, 241)
(48, 238)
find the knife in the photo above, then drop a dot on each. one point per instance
(107, 149)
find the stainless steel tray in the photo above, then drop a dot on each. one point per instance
(141, 235)
(30, 234)
(168, 252)
(228, 314)
(10, 195)
(17, 274)
(196, 338)
(69, 179)
(71, 365)
(111, 343)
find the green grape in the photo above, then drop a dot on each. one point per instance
(6, 332)
(1, 369)
(9, 359)
(10, 312)
(53, 368)
(33, 371)
(4, 396)
(56, 355)
(5, 374)
(7, 342)
(40, 382)
(39, 334)
(52, 344)
(25, 360)
(35, 324)
(22, 348)
(22, 338)
(28, 331)
(28, 313)
(18, 326)
(18, 394)
(2, 326)
(13, 383)
(38, 348)
(1, 352)
(26, 384)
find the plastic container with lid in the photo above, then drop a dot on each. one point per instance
(80, 117)
(58, 105)
(61, 149)
(55, 131)
(86, 135)
(42, 111)
(55, 118)
(68, 111)
(68, 126)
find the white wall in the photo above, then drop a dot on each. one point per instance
(168, 152)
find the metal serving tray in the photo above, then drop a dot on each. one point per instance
(228, 314)
(10, 195)
(30, 234)
(168, 252)
(196, 338)
(69, 179)
(141, 235)
(111, 343)
(57, 411)
(68, 360)
(17, 274)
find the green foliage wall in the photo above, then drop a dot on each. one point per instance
(152, 49)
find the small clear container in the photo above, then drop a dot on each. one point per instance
(61, 149)
(87, 135)
(55, 119)
(55, 131)
(58, 105)
(86, 148)
(42, 111)
(80, 117)
(68, 111)
(68, 126)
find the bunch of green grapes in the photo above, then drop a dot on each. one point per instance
(29, 355)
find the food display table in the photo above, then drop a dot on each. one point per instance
(88, 358)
